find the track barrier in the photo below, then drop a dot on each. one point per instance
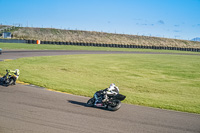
(100, 45)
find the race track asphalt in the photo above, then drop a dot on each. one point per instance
(14, 54)
(32, 109)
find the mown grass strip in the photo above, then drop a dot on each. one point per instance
(161, 81)
(7, 46)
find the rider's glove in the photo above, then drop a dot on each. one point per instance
(105, 89)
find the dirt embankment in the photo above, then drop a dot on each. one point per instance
(51, 34)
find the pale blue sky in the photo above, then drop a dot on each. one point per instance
(162, 18)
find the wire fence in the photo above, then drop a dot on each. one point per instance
(13, 41)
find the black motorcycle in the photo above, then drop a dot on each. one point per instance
(112, 103)
(8, 79)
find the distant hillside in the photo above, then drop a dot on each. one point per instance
(196, 39)
(51, 34)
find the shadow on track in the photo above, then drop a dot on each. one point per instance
(85, 105)
(77, 103)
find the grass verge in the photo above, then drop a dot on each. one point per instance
(24, 46)
(161, 81)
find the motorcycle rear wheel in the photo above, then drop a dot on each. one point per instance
(6, 82)
(90, 102)
(1, 81)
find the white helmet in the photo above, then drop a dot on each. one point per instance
(17, 72)
(112, 85)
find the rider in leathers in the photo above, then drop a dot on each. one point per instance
(102, 96)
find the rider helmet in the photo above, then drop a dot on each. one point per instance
(17, 72)
(112, 85)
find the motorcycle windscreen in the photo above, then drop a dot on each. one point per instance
(120, 97)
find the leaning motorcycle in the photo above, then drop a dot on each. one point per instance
(112, 103)
(8, 79)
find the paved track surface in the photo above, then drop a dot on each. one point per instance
(31, 109)
(14, 54)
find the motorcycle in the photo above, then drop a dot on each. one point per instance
(112, 103)
(8, 79)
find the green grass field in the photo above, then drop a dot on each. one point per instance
(161, 81)
(7, 46)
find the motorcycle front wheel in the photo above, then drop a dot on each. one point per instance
(116, 104)
(90, 102)
(12, 81)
